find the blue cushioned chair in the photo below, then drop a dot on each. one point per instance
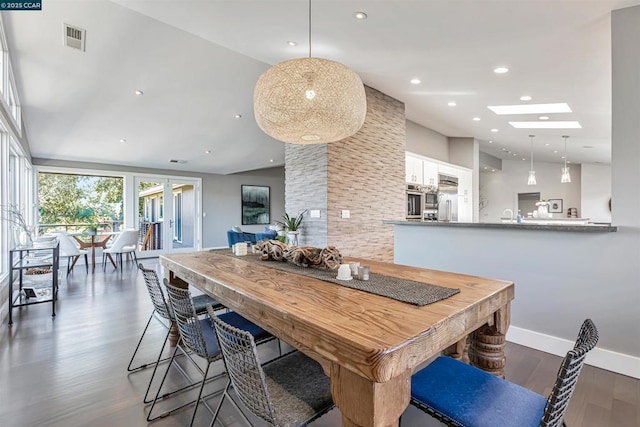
(267, 235)
(240, 236)
(461, 395)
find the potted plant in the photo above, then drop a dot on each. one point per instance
(291, 226)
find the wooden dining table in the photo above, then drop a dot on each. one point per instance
(369, 345)
(95, 240)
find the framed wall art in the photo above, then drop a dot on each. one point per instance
(256, 207)
(555, 205)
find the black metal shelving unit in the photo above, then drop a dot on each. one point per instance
(23, 258)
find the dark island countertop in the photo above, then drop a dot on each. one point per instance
(585, 228)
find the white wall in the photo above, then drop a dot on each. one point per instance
(427, 142)
(596, 192)
(466, 152)
(500, 189)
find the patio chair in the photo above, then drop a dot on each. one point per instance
(125, 243)
(458, 394)
(198, 338)
(291, 390)
(162, 313)
(69, 249)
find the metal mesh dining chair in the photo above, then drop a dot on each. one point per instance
(162, 313)
(198, 338)
(461, 395)
(291, 390)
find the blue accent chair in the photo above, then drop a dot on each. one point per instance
(461, 395)
(234, 237)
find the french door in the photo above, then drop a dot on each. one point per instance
(168, 214)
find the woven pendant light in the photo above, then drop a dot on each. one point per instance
(309, 100)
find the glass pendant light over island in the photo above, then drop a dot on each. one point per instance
(532, 173)
(566, 177)
(309, 100)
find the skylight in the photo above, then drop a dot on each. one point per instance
(561, 107)
(546, 125)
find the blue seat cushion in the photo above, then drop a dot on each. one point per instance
(473, 397)
(234, 319)
(210, 338)
(200, 303)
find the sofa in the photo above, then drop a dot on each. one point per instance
(237, 235)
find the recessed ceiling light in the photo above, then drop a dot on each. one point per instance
(208, 152)
(543, 118)
(123, 140)
(360, 15)
(139, 92)
(494, 130)
(560, 107)
(271, 160)
(500, 70)
(490, 142)
(546, 144)
(525, 98)
(568, 161)
(486, 167)
(493, 170)
(514, 154)
(562, 157)
(546, 125)
(503, 149)
(524, 158)
(238, 116)
(452, 104)
(292, 43)
(555, 151)
(416, 81)
(476, 119)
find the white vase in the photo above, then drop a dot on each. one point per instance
(292, 238)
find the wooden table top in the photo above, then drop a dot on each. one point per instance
(374, 336)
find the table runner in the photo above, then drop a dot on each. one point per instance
(404, 290)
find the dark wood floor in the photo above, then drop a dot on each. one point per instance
(71, 371)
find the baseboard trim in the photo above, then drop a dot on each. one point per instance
(599, 357)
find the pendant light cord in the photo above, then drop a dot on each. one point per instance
(309, 28)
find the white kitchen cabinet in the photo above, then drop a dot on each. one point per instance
(448, 170)
(413, 169)
(465, 195)
(430, 173)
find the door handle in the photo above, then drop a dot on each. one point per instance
(170, 223)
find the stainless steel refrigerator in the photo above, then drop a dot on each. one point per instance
(447, 198)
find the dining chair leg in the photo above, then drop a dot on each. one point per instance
(135, 257)
(86, 262)
(195, 409)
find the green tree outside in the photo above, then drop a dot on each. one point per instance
(80, 200)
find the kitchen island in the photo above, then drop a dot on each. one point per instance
(527, 224)
(563, 273)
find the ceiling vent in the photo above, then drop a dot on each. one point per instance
(177, 161)
(73, 37)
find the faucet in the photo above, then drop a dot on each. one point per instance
(504, 214)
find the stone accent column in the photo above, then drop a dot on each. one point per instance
(363, 174)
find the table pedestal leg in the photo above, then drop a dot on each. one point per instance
(459, 350)
(364, 403)
(486, 349)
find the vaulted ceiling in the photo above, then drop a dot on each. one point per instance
(197, 62)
